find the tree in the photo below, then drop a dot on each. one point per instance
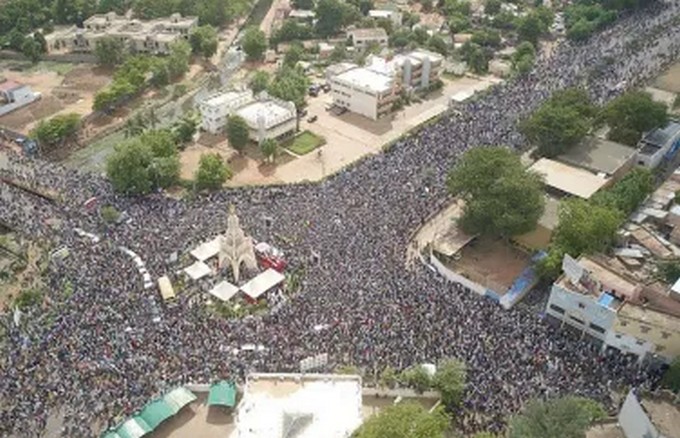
(109, 51)
(259, 81)
(184, 129)
(109, 214)
(254, 43)
(338, 53)
(160, 141)
(633, 114)
(492, 7)
(449, 380)
(32, 49)
(305, 5)
(237, 133)
(417, 378)
(59, 129)
(585, 227)
(203, 40)
(437, 44)
(388, 377)
(291, 84)
(531, 27)
(458, 23)
(501, 197)
(524, 57)
(628, 193)
(671, 378)
(554, 129)
(211, 173)
(294, 54)
(178, 60)
(332, 15)
(567, 417)
(486, 37)
(128, 168)
(668, 270)
(40, 39)
(134, 126)
(475, 56)
(269, 147)
(405, 420)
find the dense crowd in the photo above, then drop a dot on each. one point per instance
(102, 350)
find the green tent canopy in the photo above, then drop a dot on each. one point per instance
(222, 393)
(178, 398)
(135, 427)
(156, 412)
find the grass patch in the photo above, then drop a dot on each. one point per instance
(60, 68)
(304, 143)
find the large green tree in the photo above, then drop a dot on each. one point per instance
(109, 51)
(671, 379)
(449, 380)
(333, 15)
(476, 57)
(405, 420)
(585, 227)
(259, 81)
(554, 129)
(632, 114)
(57, 130)
(269, 147)
(212, 172)
(254, 43)
(502, 198)
(203, 41)
(567, 417)
(523, 58)
(237, 132)
(290, 84)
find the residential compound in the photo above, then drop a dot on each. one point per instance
(153, 36)
(267, 117)
(373, 90)
(363, 38)
(618, 300)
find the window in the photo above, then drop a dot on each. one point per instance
(575, 319)
(581, 306)
(617, 336)
(639, 341)
(665, 335)
(597, 328)
(624, 323)
(557, 309)
(660, 348)
(644, 329)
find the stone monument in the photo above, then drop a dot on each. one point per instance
(236, 247)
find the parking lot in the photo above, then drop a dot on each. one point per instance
(350, 136)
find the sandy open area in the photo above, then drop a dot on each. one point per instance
(197, 421)
(670, 80)
(71, 93)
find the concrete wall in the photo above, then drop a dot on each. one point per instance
(668, 341)
(456, 278)
(627, 343)
(634, 420)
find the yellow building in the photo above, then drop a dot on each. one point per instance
(660, 330)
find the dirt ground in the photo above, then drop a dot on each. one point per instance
(190, 157)
(197, 421)
(70, 93)
(605, 431)
(493, 264)
(670, 80)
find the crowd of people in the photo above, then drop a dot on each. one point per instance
(101, 346)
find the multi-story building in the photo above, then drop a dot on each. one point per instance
(372, 90)
(616, 311)
(153, 36)
(658, 145)
(266, 116)
(362, 38)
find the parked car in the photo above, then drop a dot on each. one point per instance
(312, 119)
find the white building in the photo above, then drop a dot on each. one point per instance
(362, 38)
(364, 91)
(267, 117)
(372, 90)
(14, 95)
(659, 144)
(300, 405)
(606, 306)
(394, 16)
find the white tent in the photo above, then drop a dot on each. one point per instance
(224, 290)
(198, 270)
(206, 250)
(262, 283)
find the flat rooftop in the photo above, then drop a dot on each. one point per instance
(272, 111)
(568, 179)
(602, 280)
(224, 99)
(300, 406)
(661, 136)
(374, 32)
(651, 317)
(598, 155)
(366, 79)
(492, 263)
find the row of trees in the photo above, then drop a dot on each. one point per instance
(564, 120)
(137, 72)
(585, 17)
